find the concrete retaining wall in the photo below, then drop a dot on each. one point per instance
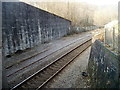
(103, 67)
(82, 29)
(111, 35)
(25, 26)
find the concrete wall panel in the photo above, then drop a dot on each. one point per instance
(103, 67)
(25, 26)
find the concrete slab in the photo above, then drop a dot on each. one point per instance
(103, 67)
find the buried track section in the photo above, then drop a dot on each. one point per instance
(39, 79)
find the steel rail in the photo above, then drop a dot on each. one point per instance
(42, 57)
(21, 83)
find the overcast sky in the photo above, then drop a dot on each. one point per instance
(96, 2)
(101, 2)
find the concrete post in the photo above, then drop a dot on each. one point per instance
(119, 38)
(105, 37)
(0, 24)
(119, 27)
(113, 43)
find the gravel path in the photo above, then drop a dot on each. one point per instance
(71, 76)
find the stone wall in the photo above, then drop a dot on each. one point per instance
(25, 26)
(103, 67)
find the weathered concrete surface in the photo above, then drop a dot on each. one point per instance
(103, 67)
(0, 46)
(111, 35)
(76, 29)
(0, 69)
(119, 27)
(25, 26)
(0, 25)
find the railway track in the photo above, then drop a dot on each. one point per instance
(22, 68)
(44, 75)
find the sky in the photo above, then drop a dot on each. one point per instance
(95, 2)
(101, 2)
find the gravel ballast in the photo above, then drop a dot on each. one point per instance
(71, 76)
